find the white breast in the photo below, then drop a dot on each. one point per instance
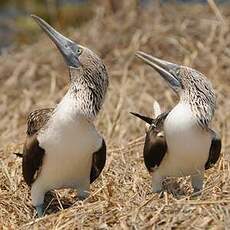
(69, 142)
(188, 144)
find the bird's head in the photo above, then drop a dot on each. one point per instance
(180, 78)
(88, 75)
(190, 85)
(80, 60)
(169, 71)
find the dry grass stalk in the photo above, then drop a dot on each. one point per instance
(36, 77)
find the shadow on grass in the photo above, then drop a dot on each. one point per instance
(53, 203)
(174, 187)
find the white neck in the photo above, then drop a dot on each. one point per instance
(181, 116)
(72, 107)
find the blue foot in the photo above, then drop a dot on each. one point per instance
(39, 210)
(82, 195)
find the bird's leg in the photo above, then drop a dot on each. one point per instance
(39, 210)
(83, 191)
(37, 195)
(157, 182)
(197, 181)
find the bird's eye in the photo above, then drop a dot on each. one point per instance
(79, 50)
(177, 71)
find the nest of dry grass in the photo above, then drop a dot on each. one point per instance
(36, 77)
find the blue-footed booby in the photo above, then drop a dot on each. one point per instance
(180, 142)
(63, 148)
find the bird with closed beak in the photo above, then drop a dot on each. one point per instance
(63, 148)
(180, 142)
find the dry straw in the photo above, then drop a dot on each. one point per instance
(36, 77)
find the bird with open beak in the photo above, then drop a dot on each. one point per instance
(184, 145)
(63, 148)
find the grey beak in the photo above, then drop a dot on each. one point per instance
(67, 47)
(164, 68)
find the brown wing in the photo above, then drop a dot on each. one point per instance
(32, 159)
(155, 149)
(155, 146)
(32, 153)
(37, 119)
(214, 152)
(98, 162)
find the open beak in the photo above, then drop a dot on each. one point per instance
(67, 47)
(166, 69)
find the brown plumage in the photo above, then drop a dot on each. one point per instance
(199, 93)
(192, 147)
(63, 148)
(32, 159)
(98, 162)
(155, 146)
(214, 152)
(37, 119)
(33, 154)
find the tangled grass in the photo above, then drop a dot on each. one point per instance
(36, 77)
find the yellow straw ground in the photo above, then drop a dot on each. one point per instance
(36, 77)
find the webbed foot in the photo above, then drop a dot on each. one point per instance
(39, 210)
(197, 182)
(83, 192)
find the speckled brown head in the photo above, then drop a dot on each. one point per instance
(88, 75)
(190, 85)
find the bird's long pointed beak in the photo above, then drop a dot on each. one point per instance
(66, 46)
(164, 68)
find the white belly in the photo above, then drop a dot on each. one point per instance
(68, 154)
(188, 144)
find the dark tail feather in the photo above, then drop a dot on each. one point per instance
(148, 120)
(19, 154)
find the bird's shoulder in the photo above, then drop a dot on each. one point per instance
(37, 119)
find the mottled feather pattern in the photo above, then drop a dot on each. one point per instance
(90, 87)
(37, 119)
(32, 153)
(199, 94)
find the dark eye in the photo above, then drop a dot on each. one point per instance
(79, 51)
